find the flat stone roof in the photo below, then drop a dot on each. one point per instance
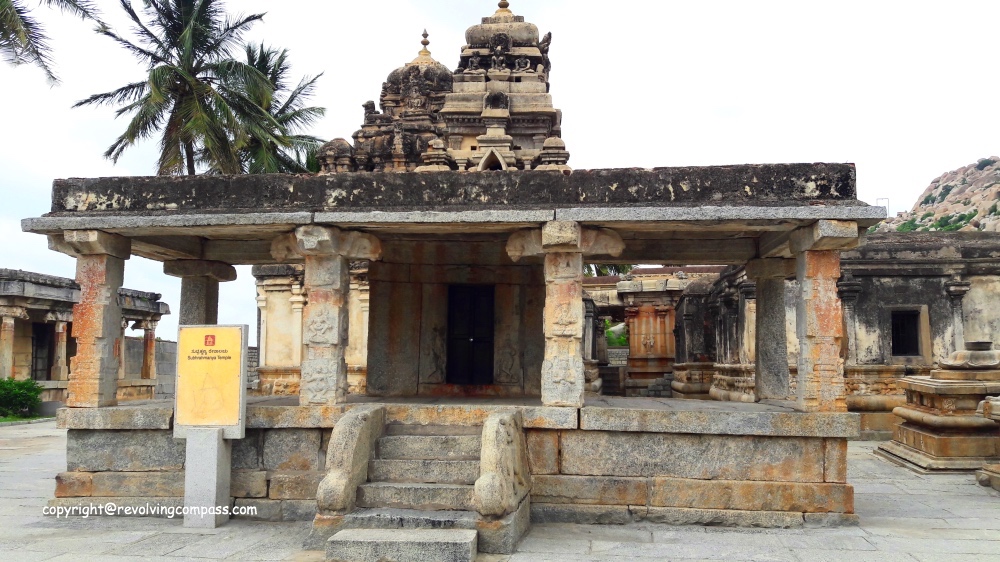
(678, 216)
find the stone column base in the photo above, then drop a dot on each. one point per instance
(923, 450)
(989, 476)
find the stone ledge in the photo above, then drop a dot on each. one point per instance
(780, 424)
(117, 417)
(289, 417)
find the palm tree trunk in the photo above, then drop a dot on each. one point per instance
(189, 156)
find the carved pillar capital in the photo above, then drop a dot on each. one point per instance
(14, 312)
(316, 240)
(564, 237)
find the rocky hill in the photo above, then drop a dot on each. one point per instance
(965, 199)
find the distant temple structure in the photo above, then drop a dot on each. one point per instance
(494, 112)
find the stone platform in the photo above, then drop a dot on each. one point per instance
(615, 460)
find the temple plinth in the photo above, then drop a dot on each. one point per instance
(941, 429)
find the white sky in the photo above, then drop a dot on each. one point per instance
(906, 90)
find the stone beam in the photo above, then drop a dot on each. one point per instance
(91, 242)
(168, 247)
(826, 235)
(327, 253)
(770, 268)
(238, 252)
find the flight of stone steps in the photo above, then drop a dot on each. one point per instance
(418, 502)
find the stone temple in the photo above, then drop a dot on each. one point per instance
(476, 407)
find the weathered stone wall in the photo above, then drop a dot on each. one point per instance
(407, 350)
(879, 296)
(615, 476)
(275, 470)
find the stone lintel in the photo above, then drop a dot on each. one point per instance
(91, 242)
(826, 235)
(776, 424)
(770, 268)
(200, 268)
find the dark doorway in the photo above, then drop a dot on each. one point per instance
(905, 333)
(470, 334)
(42, 343)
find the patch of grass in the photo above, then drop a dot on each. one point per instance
(926, 216)
(6, 419)
(908, 226)
(993, 210)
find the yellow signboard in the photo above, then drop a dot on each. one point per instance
(211, 377)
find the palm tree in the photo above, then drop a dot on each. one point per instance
(23, 39)
(204, 103)
(284, 152)
(602, 270)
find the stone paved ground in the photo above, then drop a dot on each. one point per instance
(904, 517)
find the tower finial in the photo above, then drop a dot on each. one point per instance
(504, 5)
(425, 43)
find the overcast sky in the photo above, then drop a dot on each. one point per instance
(905, 90)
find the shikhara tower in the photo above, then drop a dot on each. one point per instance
(494, 112)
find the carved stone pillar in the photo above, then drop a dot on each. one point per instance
(820, 328)
(563, 245)
(850, 290)
(199, 289)
(8, 314)
(262, 326)
(298, 302)
(562, 371)
(148, 349)
(747, 323)
(957, 290)
(772, 372)
(326, 252)
(97, 318)
(60, 365)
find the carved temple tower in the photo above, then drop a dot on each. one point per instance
(493, 113)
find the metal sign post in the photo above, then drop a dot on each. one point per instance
(209, 411)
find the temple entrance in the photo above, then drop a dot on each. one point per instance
(42, 343)
(470, 334)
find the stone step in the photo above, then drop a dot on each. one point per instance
(411, 429)
(396, 518)
(402, 545)
(433, 497)
(423, 471)
(429, 447)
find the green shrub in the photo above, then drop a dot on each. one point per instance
(944, 193)
(927, 215)
(613, 340)
(19, 398)
(993, 210)
(985, 163)
(908, 226)
(928, 200)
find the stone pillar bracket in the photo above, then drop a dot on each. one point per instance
(217, 270)
(18, 312)
(564, 236)
(826, 235)
(91, 242)
(315, 240)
